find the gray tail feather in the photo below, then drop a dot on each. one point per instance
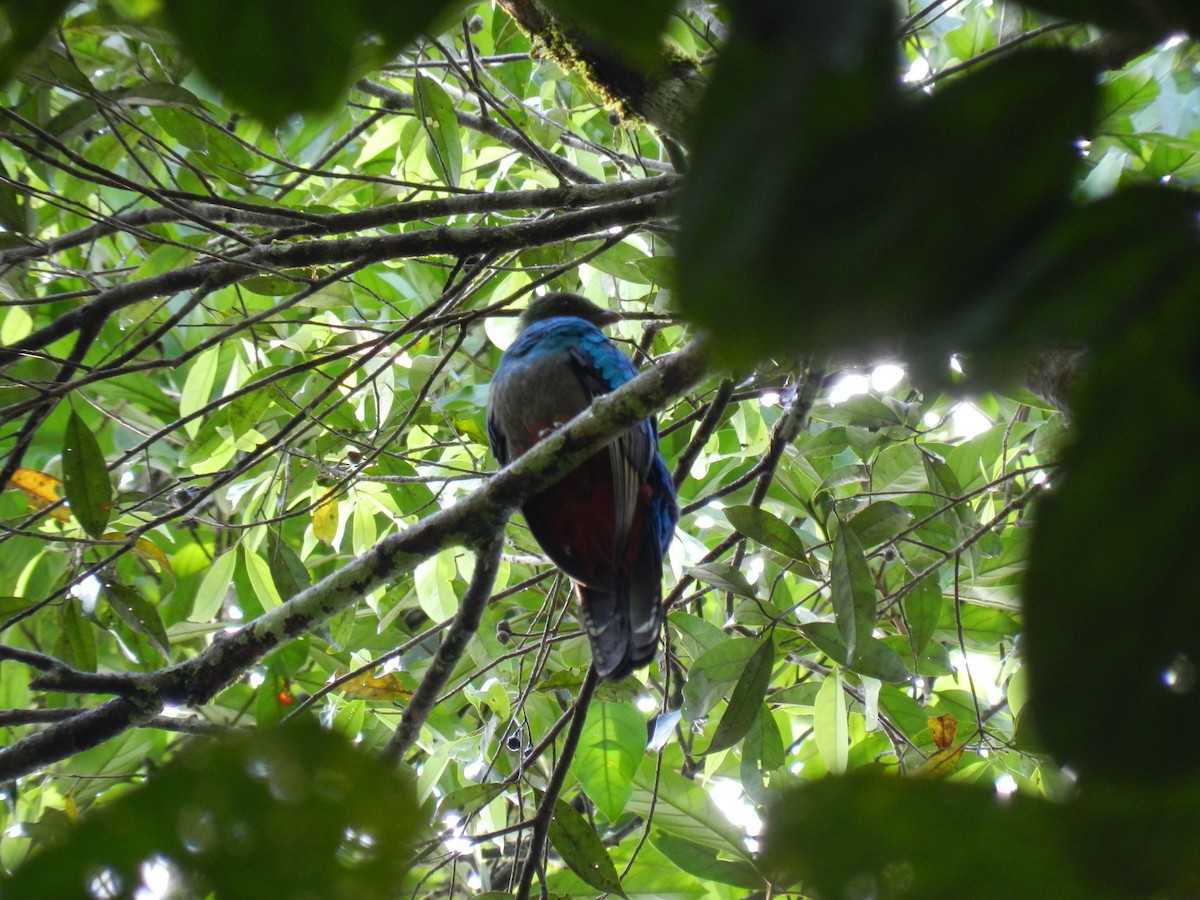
(623, 622)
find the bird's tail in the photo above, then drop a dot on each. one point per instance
(624, 620)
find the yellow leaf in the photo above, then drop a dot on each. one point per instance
(325, 521)
(143, 549)
(381, 688)
(40, 490)
(944, 729)
(942, 763)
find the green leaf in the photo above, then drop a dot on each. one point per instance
(259, 573)
(79, 638)
(746, 701)
(827, 638)
(714, 670)
(723, 577)
(877, 660)
(86, 484)
(315, 814)
(879, 522)
(138, 613)
(766, 528)
(696, 634)
(922, 608)
(943, 481)
(686, 810)
(436, 110)
(862, 411)
(582, 850)
(705, 863)
(852, 591)
(210, 595)
(434, 578)
(288, 571)
(762, 753)
(1123, 96)
(1099, 263)
(611, 746)
(470, 798)
(830, 723)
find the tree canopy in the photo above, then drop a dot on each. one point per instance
(914, 292)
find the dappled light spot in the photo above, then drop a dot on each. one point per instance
(197, 829)
(1005, 785)
(357, 849)
(1180, 676)
(849, 386)
(106, 884)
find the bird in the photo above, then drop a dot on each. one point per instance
(607, 524)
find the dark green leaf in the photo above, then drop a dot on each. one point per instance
(138, 613)
(877, 660)
(886, 188)
(12, 205)
(840, 832)
(29, 23)
(879, 522)
(1100, 262)
(316, 816)
(288, 571)
(86, 484)
(746, 700)
(1112, 618)
(766, 528)
(852, 590)
(1157, 19)
(582, 850)
(827, 638)
(273, 57)
(723, 577)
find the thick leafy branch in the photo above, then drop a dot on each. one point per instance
(474, 521)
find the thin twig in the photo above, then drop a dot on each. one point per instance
(541, 826)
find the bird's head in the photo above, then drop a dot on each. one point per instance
(549, 306)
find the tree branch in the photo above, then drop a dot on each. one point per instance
(475, 521)
(437, 241)
(449, 651)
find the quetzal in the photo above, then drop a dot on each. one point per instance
(607, 524)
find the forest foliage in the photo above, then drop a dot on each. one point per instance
(915, 287)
